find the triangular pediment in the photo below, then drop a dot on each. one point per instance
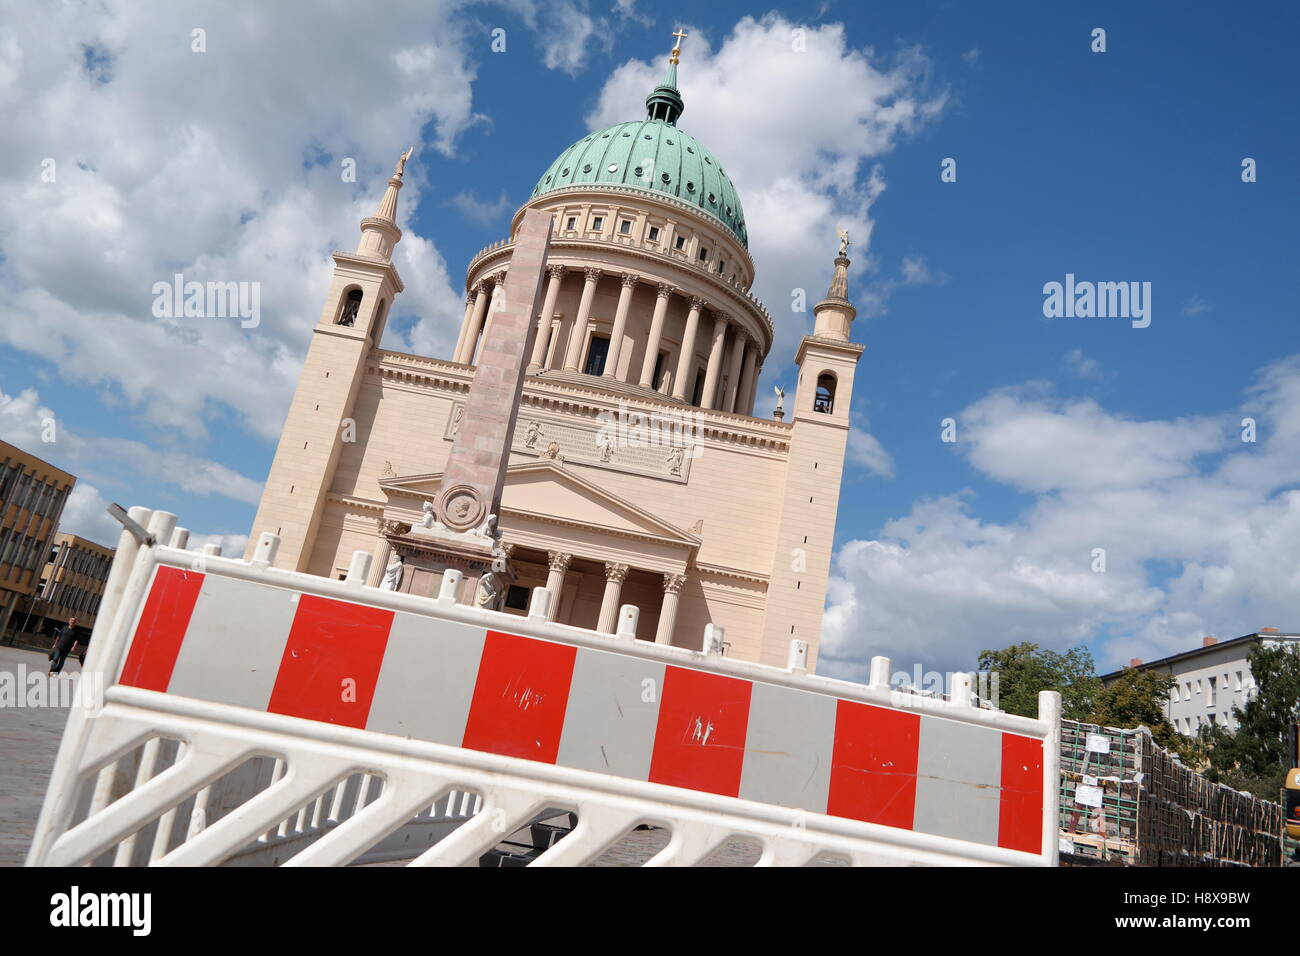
(550, 492)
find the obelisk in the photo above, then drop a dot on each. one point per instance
(464, 533)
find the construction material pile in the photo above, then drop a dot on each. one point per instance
(1127, 801)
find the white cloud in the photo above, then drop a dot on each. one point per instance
(798, 133)
(865, 449)
(1196, 306)
(1081, 366)
(482, 211)
(29, 424)
(86, 514)
(939, 585)
(221, 165)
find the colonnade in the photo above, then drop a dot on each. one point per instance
(730, 377)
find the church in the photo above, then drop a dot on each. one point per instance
(637, 470)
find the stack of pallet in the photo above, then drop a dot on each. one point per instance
(1127, 801)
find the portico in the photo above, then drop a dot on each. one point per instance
(593, 550)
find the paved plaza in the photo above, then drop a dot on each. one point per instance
(29, 739)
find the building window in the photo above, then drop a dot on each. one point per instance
(703, 254)
(572, 224)
(597, 223)
(681, 243)
(596, 355)
(517, 598)
(824, 400)
(625, 227)
(654, 234)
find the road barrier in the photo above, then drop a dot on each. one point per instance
(255, 716)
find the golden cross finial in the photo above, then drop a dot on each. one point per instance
(677, 47)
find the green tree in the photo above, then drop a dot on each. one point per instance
(1257, 756)
(1137, 698)
(1025, 669)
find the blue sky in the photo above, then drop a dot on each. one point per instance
(1073, 434)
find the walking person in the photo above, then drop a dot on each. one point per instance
(65, 641)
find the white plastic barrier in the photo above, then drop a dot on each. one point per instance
(258, 716)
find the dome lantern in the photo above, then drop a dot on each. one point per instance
(665, 102)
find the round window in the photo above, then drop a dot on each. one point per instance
(690, 187)
(665, 177)
(613, 168)
(587, 168)
(565, 171)
(637, 171)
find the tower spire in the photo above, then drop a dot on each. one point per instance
(665, 102)
(835, 313)
(379, 233)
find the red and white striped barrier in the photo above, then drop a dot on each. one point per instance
(304, 651)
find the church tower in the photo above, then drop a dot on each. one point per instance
(827, 361)
(320, 419)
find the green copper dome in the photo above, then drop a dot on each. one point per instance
(651, 155)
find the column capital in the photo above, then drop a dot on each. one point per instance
(471, 295)
(479, 287)
(697, 303)
(591, 273)
(630, 279)
(498, 278)
(673, 583)
(615, 572)
(555, 271)
(723, 318)
(558, 561)
(665, 290)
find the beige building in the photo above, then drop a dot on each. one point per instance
(32, 495)
(72, 583)
(638, 473)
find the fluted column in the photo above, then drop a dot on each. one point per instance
(686, 358)
(383, 552)
(668, 612)
(464, 324)
(573, 354)
(708, 399)
(620, 323)
(465, 351)
(746, 399)
(538, 356)
(615, 574)
(557, 562)
(733, 370)
(664, 292)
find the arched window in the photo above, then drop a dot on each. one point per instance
(824, 400)
(351, 306)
